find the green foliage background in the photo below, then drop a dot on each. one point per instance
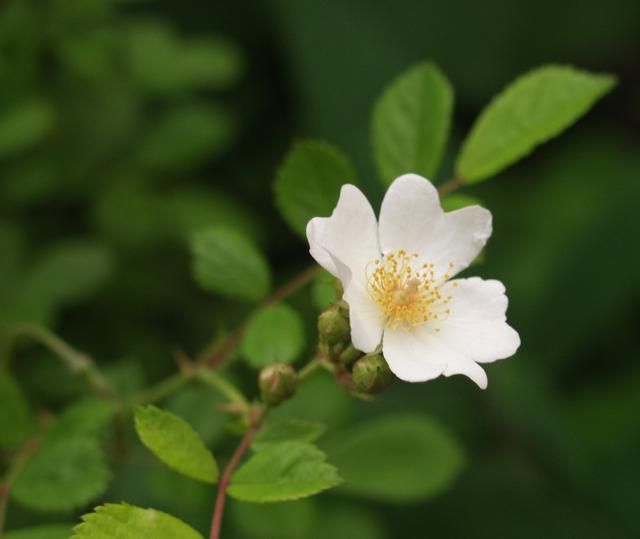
(125, 126)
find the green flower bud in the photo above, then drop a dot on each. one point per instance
(333, 326)
(371, 374)
(278, 382)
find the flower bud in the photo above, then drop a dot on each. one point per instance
(371, 374)
(333, 326)
(278, 382)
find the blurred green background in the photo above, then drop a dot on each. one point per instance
(126, 125)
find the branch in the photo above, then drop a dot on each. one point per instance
(245, 443)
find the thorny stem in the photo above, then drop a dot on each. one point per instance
(245, 443)
(16, 466)
(77, 362)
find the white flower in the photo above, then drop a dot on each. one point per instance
(397, 281)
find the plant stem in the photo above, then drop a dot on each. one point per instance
(77, 362)
(225, 387)
(162, 389)
(245, 443)
(15, 467)
(233, 340)
(450, 186)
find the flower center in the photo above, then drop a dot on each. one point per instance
(407, 296)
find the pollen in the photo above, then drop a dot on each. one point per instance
(407, 292)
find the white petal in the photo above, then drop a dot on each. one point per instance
(350, 235)
(477, 326)
(468, 368)
(365, 316)
(412, 219)
(414, 355)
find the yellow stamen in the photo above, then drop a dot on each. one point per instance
(407, 296)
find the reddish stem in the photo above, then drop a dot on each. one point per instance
(245, 443)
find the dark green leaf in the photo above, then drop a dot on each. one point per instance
(63, 475)
(411, 122)
(275, 334)
(24, 125)
(397, 458)
(47, 531)
(15, 421)
(225, 262)
(308, 183)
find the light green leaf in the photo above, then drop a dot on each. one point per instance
(308, 183)
(14, 412)
(287, 429)
(69, 272)
(47, 531)
(225, 262)
(284, 471)
(174, 442)
(323, 290)
(410, 123)
(535, 108)
(275, 334)
(122, 521)
(397, 458)
(24, 125)
(83, 419)
(186, 137)
(63, 475)
(456, 202)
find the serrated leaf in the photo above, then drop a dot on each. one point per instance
(287, 429)
(69, 272)
(122, 521)
(24, 125)
(47, 531)
(274, 334)
(308, 183)
(226, 262)
(174, 442)
(535, 108)
(397, 458)
(15, 421)
(63, 475)
(83, 419)
(283, 471)
(186, 137)
(410, 123)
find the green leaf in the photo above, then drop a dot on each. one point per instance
(47, 531)
(69, 272)
(63, 475)
(275, 334)
(323, 290)
(411, 122)
(456, 202)
(286, 520)
(174, 442)
(287, 429)
(83, 419)
(122, 521)
(283, 471)
(24, 125)
(225, 262)
(535, 108)
(308, 183)
(397, 458)
(185, 138)
(15, 421)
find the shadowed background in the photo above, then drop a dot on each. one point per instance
(118, 139)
